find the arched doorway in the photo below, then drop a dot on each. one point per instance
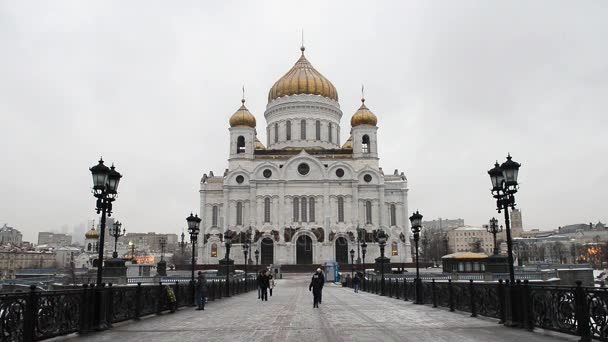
(267, 251)
(304, 250)
(341, 250)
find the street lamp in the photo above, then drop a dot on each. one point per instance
(257, 256)
(228, 242)
(194, 223)
(359, 236)
(245, 252)
(494, 229)
(116, 233)
(162, 243)
(363, 251)
(504, 187)
(416, 220)
(105, 189)
(382, 244)
(352, 262)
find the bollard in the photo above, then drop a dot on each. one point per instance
(110, 305)
(138, 301)
(526, 307)
(582, 313)
(501, 302)
(29, 322)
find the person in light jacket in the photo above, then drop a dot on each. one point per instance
(270, 283)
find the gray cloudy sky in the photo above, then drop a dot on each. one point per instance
(150, 85)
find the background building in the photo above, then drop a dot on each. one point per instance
(10, 235)
(473, 239)
(54, 239)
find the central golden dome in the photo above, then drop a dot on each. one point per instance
(303, 78)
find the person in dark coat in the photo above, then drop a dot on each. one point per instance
(356, 282)
(201, 290)
(263, 283)
(316, 286)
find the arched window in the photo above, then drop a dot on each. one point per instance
(266, 210)
(393, 215)
(304, 210)
(338, 134)
(240, 144)
(89, 247)
(239, 213)
(394, 249)
(340, 209)
(214, 216)
(303, 129)
(288, 131)
(368, 212)
(311, 208)
(276, 132)
(214, 250)
(330, 132)
(296, 210)
(318, 130)
(365, 145)
(268, 136)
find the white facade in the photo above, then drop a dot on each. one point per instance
(302, 197)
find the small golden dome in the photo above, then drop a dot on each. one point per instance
(348, 145)
(259, 145)
(242, 117)
(363, 116)
(92, 234)
(303, 78)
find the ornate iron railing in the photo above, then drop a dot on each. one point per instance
(575, 310)
(37, 315)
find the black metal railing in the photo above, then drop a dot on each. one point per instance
(575, 310)
(37, 315)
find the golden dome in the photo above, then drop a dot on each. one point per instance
(363, 116)
(259, 145)
(303, 78)
(242, 117)
(92, 234)
(348, 145)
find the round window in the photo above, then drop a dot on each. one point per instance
(303, 169)
(367, 178)
(240, 179)
(340, 173)
(267, 173)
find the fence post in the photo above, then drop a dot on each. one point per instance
(582, 312)
(110, 305)
(397, 287)
(472, 294)
(434, 293)
(404, 289)
(138, 301)
(84, 311)
(451, 294)
(526, 307)
(159, 299)
(176, 292)
(390, 288)
(501, 302)
(30, 315)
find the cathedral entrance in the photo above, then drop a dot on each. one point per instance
(267, 247)
(341, 250)
(304, 250)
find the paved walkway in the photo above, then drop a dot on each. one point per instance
(289, 316)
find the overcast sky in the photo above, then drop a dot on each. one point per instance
(150, 86)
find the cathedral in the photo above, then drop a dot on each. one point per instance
(303, 197)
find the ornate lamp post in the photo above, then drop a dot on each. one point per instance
(363, 251)
(359, 234)
(494, 229)
(257, 256)
(504, 187)
(194, 223)
(132, 245)
(416, 220)
(228, 242)
(352, 262)
(116, 233)
(105, 189)
(382, 244)
(246, 252)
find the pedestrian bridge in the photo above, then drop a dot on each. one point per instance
(289, 316)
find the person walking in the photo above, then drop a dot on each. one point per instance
(316, 286)
(201, 290)
(270, 283)
(356, 282)
(263, 284)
